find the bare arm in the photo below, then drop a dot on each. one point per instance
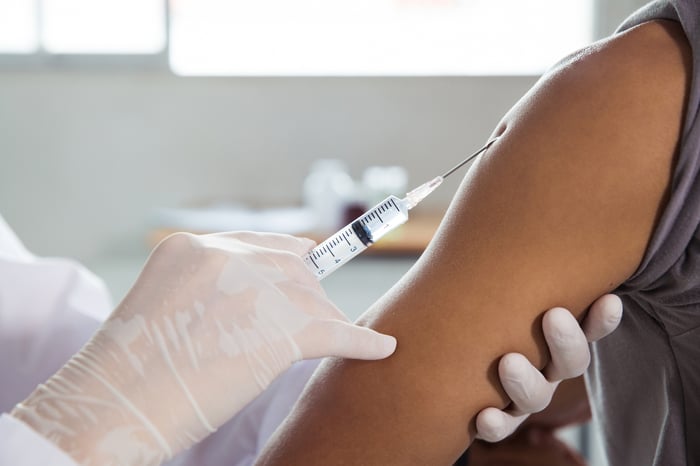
(557, 213)
(569, 406)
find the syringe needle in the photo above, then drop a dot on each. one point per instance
(371, 226)
(460, 164)
(414, 196)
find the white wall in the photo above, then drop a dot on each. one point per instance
(85, 156)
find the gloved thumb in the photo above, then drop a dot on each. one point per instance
(603, 317)
(347, 340)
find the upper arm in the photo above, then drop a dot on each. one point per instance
(558, 212)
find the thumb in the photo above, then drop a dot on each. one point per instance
(347, 340)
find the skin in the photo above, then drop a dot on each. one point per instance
(558, 212)
(535, 442)
(531, 390)
(569, 406)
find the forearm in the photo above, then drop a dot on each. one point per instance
(416, 407)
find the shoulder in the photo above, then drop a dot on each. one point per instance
(591, 146)
(650, 48)
(649, 62)
(621, 99)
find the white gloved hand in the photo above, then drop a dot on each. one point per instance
(530, 389)
(209, 323)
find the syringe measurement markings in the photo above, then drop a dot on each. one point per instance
(382, 209)
(395, 206)
(319, 252)
(368, 218)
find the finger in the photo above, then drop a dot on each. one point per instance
(312, 301)
(287, 261)
(493, 425)
(603, 317)
(297, 245)
(293, 268)
(567, 344)
(524, 384)
(286, 254)
(346, 340)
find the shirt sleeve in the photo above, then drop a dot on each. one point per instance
(49, 308)
(20, 445)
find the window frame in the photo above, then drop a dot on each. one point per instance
(603, 22)
(41, 59)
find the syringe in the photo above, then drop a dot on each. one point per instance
(371, 226)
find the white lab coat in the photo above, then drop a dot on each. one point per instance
(48, 309)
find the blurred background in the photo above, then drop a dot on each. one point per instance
(122, 120)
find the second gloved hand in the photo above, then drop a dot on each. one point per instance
(210, 322)
(530, 389)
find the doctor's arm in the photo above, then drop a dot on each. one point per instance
(558, 212)
(209, 323)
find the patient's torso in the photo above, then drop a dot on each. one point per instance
(645, 378)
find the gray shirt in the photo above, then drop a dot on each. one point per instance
(645, 378)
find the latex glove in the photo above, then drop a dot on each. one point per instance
(209, 323)
(530, 389)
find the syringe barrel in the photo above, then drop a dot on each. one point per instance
(355, 237)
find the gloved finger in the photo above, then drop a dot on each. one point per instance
(567, 344)
(312, 301)
(277, 241)
(293, 268)
(493, 425)
(257, 258)
(346, 340)
(603, 317)
(524, 384)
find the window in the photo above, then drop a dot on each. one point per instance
(124, 27)
(103, 26)
(308, 37)
(375, 37)
(18, 27)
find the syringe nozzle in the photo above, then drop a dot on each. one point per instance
(421, 192)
